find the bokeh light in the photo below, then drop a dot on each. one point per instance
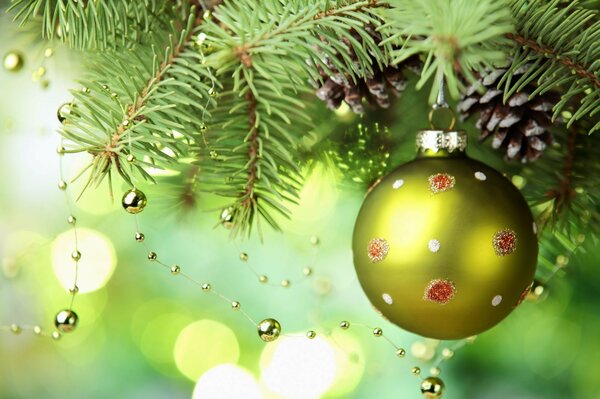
(227, 381)
(350, 358)
(97, 263)
(299, 368)
(202, 345)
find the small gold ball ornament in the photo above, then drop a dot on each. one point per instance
(228, 217)
(445, 246)
(538, 292)
(13, 61)
(63, 112)
(432, 387)
(269, 330)
(66, 320)
(134, 201)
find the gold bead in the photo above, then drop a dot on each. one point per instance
(206, 287)
(285, 283)
(37, 330)
(416, 371)
(76, 255)
(66, 320)
(235, 305)
(311, 334)
(378, 332)
(130, 158)
(56, 335)
(538, 292)
(175, 270)
(125, 123)
(435, 371)
(212, 92)
(86, 90)
(134, 201)
(207, 15)
(269, 330)
(203, 127)
(74, 290)
(447, 353)
(114, 95)
(62, 185)
(432, 387)
(244, 257)
(228, 217)
(13, 61)
(49, 52)
(63, 112)
(60, 150)
(314, 240)
(307, 271)
(152, 256)
(71, 219)
(139, 237)
(263, 279)
(213, 154)
(400, 352)
(15, 329)
(344, 325)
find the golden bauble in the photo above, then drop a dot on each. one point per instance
(134, 201)
(269, 330)
(432, 387)
(66, 320)
(13, 61)
(444, 246)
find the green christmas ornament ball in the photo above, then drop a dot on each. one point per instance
(445, 246)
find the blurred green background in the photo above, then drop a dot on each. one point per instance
(146, 334)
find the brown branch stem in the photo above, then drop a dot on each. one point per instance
(249, 195)
(549, 52)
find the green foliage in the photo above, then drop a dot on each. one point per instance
(562, 187)
(270, 53)
(92, 24)
(562, 41)
(148, 102)
(457, 37)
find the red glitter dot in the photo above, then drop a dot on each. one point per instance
(524, 294)
(378, 249)
(441, 182)
(505, 242)
(440, 291)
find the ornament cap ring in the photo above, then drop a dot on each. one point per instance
(439, 142)
(437, 109)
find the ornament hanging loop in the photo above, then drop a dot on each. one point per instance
(441, 104)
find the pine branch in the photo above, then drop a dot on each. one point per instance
(562, 43)
(165, 97)
(271, 53)
(94, 24)
(457, 38)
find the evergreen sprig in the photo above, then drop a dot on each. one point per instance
(93, 24)
(270, 53)
(562, 42)
(457, 37)
(141, 107)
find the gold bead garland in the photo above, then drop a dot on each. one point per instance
(263, 279)
(66, 320)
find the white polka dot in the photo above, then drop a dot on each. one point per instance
(534, 228)
(434, 245)
(387, 298)
(480, 176)
(398, 183)
(497, 300)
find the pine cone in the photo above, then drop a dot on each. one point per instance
(519, 126)
(375, 89)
